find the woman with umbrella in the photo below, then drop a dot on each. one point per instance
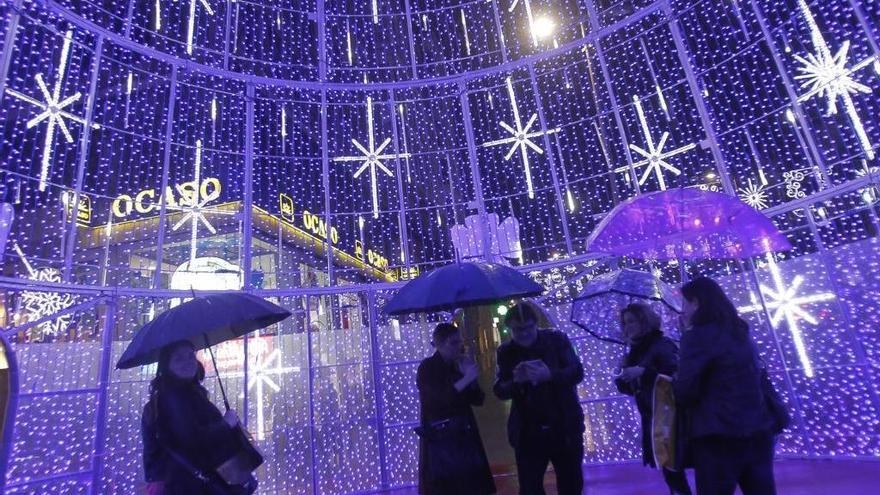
(185, 436)
(190, 448)
(451, 455)
(719, 383)
(650, 353)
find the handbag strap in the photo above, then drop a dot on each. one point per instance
(178, 457)
(187, 465)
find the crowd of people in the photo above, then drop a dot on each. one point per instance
(726, 428)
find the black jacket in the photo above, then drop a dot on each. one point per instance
(439, 400)
(719, 384)
(658, 355)
(187, 422)
(554, 403)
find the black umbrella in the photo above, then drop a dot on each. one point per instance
(461, 285)
(204, 321)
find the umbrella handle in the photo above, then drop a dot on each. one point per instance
(217, 371)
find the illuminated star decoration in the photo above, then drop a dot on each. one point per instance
(521, 138)
(754, 195)
(195, 209)
(372, 157)
(786, 304)
(42, 304)
(259, 376)
(528, 6)
(655, 158)
(827, 76)
(53, 110)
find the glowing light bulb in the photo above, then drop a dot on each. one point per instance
(543, 27)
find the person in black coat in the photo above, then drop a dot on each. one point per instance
(539, 371)
(180, 422)
(650, 354)
(719, 385)
(452, 460)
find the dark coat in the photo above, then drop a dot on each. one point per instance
(658, 355)
(554, 403)
(719, 384)
(439, 400)
(187, 422)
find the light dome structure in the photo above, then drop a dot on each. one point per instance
(325, 150)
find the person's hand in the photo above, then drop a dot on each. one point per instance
(231, 418)
(631, 373)
(539, 372)
(683, 324)
(520, 373)
(468, 368)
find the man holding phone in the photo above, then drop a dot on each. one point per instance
(539, 371)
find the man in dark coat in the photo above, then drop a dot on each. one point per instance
(539, 371)
(452, 460)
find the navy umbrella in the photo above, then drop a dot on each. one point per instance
(461, 285)
(204, 321)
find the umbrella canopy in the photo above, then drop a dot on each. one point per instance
(461, 285)
(204, 321)
(686, 224)
(597, 308)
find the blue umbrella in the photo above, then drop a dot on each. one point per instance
(204, 321)
(461, 285)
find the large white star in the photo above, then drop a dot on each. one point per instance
(521, 138)
(828, 76)
(259, 377)
(372, 157)
(655, 158)
(869, 193)
(53, 110)
(195, 206)
(787, 305)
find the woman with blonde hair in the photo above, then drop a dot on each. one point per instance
(650, 353)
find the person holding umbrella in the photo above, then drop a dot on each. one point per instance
(185, 435)
(190, 448)
(452, 459)
(719, 384)
(650, 353)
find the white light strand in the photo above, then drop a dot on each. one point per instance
(528, 6)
